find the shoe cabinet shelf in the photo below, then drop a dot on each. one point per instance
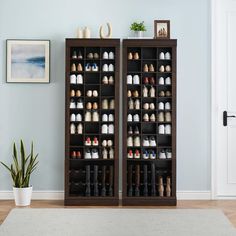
(91, 121)
(149, 122)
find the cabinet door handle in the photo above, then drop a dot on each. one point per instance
(225, 118)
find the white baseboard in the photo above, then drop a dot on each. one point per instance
(59, 195)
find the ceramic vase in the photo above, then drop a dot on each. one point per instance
(87, 33)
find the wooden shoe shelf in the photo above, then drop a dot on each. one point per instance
(149, 181)
(90, 181)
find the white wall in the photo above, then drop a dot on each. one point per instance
(36, 112)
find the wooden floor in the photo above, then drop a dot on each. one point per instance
(228, 207)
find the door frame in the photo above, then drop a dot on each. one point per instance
(214, 98)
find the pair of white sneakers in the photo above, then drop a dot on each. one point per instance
(133, 141)
(110, 55)
(91, 116)
(79, 105)
(107, 129)
(133, 79)
(74, 129)
(134, 104)
(166, 81)
(91, 154)
(164, 106)
(76, 79)
(164, 129)
(149, 141)
(74, 117)
(107, 143)
(165, 56)
(134, 118)
(108, 68)
(108, 154)
(92, 93)
(107, 118)
(165, 154)
(147, 106)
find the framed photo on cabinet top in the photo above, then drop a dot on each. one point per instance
(28, 61)
(162, 29)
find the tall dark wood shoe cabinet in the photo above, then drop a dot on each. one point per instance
(92, 121)
(149, 122)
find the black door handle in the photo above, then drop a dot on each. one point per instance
(225, 118)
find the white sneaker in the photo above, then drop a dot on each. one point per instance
(105, 80)
(78, 117)
(136, 118)
(95, 116)
(129, 118)
(161, 81)
(94, 67)
(161, 129)
(105, 55)
(95, 154)
(130, 141)
(137, 154)
(104, 143)
(111, 129)
(168, 68)
(88, 116)
(137, 104)
(152, 92)
(104, 129)
(105, 117)
(162, 155)
(168, 129)
(89, 93)
(152, 155)
(104, 154)
(168, 154)
(129, 79)
(80, 128)
(162, 69)
(137, 141)
(152, 106)
(161, 105)
(109, 143)
(162, 56)
(111, 67)
(167, 56)
(146, 106)
(87, 154)
(131, 104)
(146, 142)
(145, 91)
(88, 67)
(130, 154)
(73, 79)
(105, 104)
(72, 128)
(95, 93)
(152, 118)
(72, 104)
(136, 79)
(105, 67)
(168, 81)
(146, 117)
(80, 104)
(72, 117)
(111, 118)
(111, 55)
(111, 153)
(79, 79)
(167, 106)
(152, 142)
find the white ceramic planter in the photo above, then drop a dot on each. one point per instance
(22, 196)
(138, 34)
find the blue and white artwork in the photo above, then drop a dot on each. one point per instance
(27, 61)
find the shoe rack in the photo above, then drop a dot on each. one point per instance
(91, 121)
(149, 122)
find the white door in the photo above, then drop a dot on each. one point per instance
(224, 98)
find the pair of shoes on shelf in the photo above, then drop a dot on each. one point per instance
(132, 130)
(149, 80)
(91, 67)
(91, 106)
(108, 129)
(149, 117)
(79, 105)
(74, 129)
(165, 68)
(107, 118)
(149, 92)
(108, 68)
(76, 55)
(75, 155)
(134, 118)
(164, 129)
(164, 106)
(108, 104)
(164, 117)
(166, 81)
(110, 55)
(108, 154)
(134, 104)
(134, 93)
(165, 56)
(91, 116)
(93, 55)
(133, 155)
(74, 117)
(133, 79)
(133, 141)
(149, 141)
(164, 93)
(148, 106)
(106, 80)
(75, 68)
(133, 56)
(91, 93)
(76, 79)
(165, 154)
(149, 154)
(107, 143)
(74, 93)
(93, 154)
(89, 142)
(149, 68)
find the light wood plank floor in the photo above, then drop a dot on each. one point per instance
(228, 207)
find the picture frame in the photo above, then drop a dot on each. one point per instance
(28, 61)
(162, 29)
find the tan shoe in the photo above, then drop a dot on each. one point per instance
(129, 94)
(168, 116)
(72, 93)
(78, 93)
(73, 67)
(162, 69)
(151, 68)
(168, 93)
(162, 94)
(168, 68)
(89, 106)
(161, 117)
(95, 106)
(135, 93)
(168, 186)
(79, 67)
(104, 104)
(160, 187)
(145, 68)
(130, 56)
(136, 56)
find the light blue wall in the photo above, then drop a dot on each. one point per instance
(36, 112)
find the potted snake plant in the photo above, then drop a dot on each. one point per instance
(20, 171)
(138, 28)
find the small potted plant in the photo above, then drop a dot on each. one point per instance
(21, 170)
(138, 28)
